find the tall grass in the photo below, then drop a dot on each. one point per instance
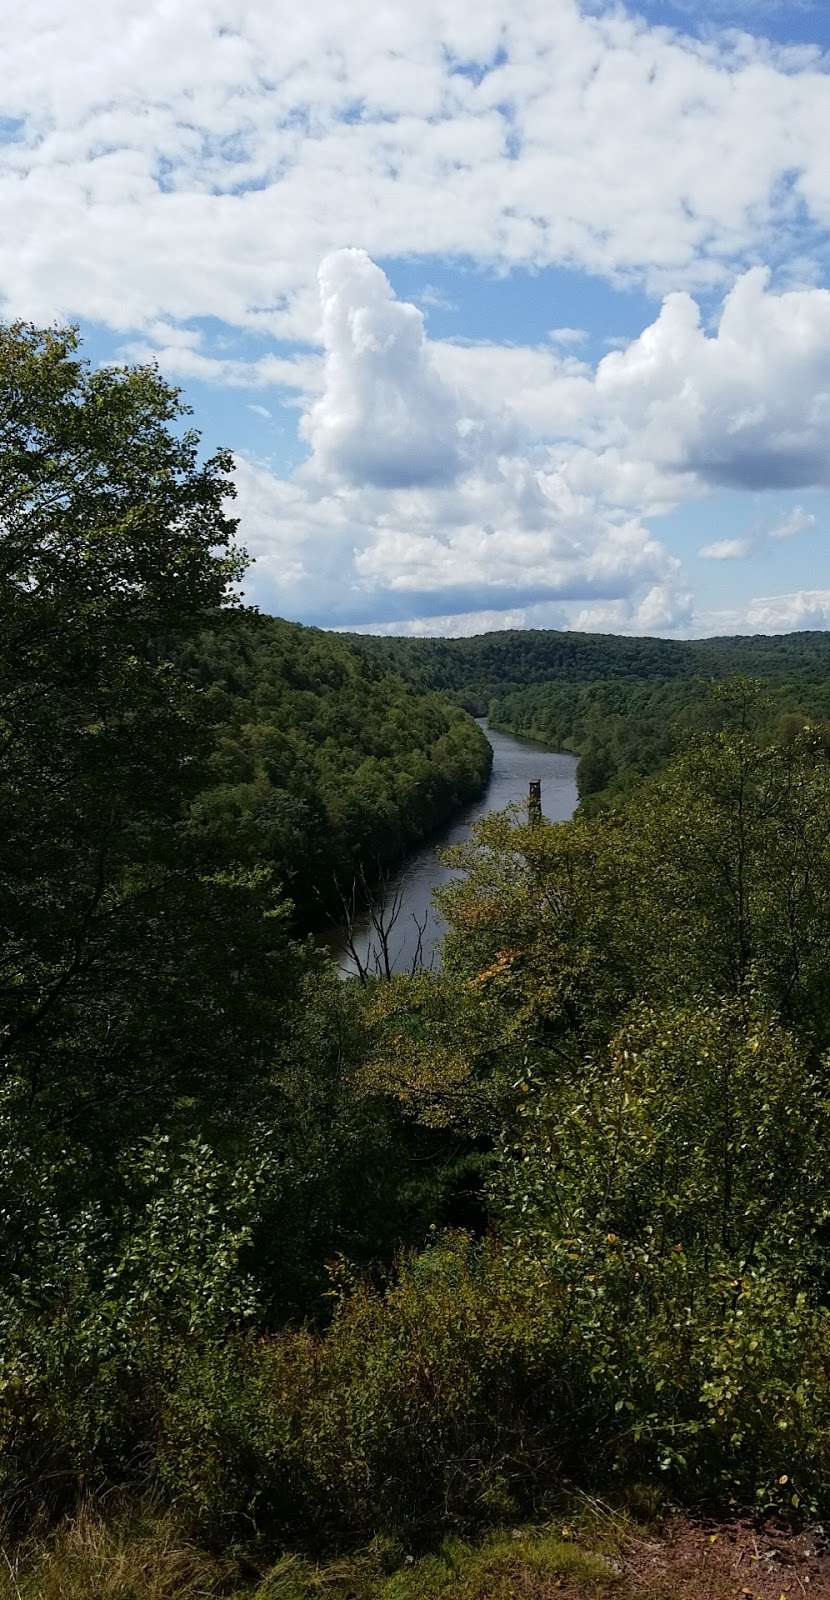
(142, 1554)
(131, 1554)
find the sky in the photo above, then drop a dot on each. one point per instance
(513, 315)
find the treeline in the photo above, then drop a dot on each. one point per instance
(288, 1263)
(625, 730)
(324, 763)
(477, 669)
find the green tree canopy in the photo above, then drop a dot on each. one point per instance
(126, 970)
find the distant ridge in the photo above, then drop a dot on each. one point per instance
(492, 663)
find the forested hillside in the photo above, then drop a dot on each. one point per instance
(623, 705)
(487, 665)
(623, 731)
(300, 1278)
(323, 762)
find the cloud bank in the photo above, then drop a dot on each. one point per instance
(162, 164)
(439, 485)
(200, 159)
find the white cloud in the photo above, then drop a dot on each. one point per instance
(465, 625)
(460, 480)
(675, 414)
(726, 550)
(663, 609)
(181, 361)
(782, 613)
(260, 411)
(168, 336)
(161, 163)
(797, 521)
(519, 392)
(385, 416)
(567, 336)
(423, 496)
(747, 407)
(355, 555)
(168, 161)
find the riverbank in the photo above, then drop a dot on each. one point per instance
(407, 896)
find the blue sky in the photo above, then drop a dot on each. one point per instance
(512, 316)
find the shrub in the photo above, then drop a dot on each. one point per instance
(484, 1376)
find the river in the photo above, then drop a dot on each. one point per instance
(516, 762)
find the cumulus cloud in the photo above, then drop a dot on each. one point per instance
(726, 550)
(782, 613)
(571, 553)
(385, 417)
(663, 609)
(423, 495)
(356, 556)
(747, 407)
(519, 393)
(450, 480)
(677, 412)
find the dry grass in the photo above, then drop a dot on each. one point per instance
(138, 1556)
(142, 1554)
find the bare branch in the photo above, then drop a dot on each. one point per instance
(371, 911)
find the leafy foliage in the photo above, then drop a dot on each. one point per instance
(490, 665)
(112, 533)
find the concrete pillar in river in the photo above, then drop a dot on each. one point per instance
(534, 803)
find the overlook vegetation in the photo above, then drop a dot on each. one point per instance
(297, 1271)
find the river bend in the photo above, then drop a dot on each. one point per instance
(516, 762)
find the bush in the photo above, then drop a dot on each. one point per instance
(486, 1375)
(463, 1393)
(409, 1411)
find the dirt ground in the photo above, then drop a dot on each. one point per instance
(703, 1561)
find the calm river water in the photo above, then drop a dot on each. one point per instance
(515, 763)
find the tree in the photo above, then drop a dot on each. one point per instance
(701, 1124)
(712, 883)
(126, 968)
(728, 875)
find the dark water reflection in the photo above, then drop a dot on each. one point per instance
(515, 763)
